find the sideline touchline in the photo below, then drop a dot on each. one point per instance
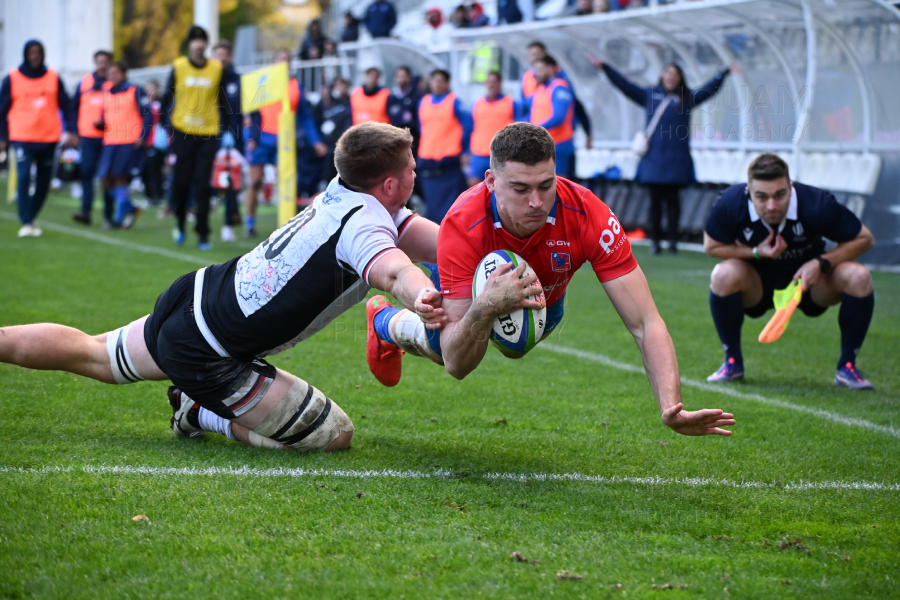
(599, 358)
(444, 474)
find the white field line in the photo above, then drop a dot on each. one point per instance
(96, 237)
(725, 390)
(447, 475)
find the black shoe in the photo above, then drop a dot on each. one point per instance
(673, 248)
(82, 218)
(655, 249)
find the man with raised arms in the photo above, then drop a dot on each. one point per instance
(556, 226)
(212, 329)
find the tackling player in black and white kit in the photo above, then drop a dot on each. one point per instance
(772, 231)
(210, 332)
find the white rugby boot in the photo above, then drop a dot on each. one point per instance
(184, 415)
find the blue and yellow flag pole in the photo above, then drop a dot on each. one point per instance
(13, 181)
(261, 88)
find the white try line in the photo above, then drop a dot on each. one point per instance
(448, 475)
(96, 237)
(725, 390)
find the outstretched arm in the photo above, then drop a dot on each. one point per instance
(631, 297)
(709, 89)
(635, 92)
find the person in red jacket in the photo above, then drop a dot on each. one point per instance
(31, 98)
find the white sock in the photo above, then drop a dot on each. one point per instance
(210, 421)
(408, 330)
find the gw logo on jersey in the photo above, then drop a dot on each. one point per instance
(560, 261)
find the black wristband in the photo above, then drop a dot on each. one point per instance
(824, 264)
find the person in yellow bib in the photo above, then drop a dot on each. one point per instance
(194, 106)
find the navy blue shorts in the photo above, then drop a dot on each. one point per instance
(120, 160)
(772, 280)
(266, 151)
(227, 386)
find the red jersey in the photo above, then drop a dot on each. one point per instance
(579, 229)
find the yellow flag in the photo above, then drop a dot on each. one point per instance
(263, 87)
(287, 167)
(12, 183)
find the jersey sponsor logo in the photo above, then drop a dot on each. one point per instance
(231, 89)
(560, 261)
(608, 237)
(558, 243)
(748, 233)
(798, 232)
(200, 82)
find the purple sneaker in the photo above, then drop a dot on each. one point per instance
(729, 371)
(848, 376)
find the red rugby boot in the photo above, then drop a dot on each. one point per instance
(384, 358)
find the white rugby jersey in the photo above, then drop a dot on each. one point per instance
(292, 285)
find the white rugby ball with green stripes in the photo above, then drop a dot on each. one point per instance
(517, 332)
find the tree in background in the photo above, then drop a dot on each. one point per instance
(152, 32)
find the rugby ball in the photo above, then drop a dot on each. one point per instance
(515, 333)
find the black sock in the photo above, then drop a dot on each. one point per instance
(728, 315)
(854, 319)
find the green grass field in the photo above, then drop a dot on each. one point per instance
(560, 457)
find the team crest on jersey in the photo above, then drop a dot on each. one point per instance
(560, 261)
(797, 229)
(748, 233)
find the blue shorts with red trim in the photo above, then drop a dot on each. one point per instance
(120, 160)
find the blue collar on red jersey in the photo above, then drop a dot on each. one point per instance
(551, 218)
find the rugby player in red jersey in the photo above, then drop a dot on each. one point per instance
(556, 226)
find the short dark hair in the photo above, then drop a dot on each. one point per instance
(121, 64)
(537, 44)
(105, 53)
(404, 68)
(548, 60)
(224, 44)
(441, 72)
(370, 69)
(496, 74)
(767, 167)
(521, 142)
(370, 152)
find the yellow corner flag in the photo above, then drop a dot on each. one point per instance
(786, 302)
(261, 88)
(13, 182)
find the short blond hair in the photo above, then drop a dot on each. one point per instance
(369, 153)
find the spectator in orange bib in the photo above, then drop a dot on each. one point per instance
(31, 98)
(490, 114)
(553, 108)
(126, 120)
(369, 102)
(88, 104)
(446, 127)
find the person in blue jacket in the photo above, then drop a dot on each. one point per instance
(667, 165)
(380, 18)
